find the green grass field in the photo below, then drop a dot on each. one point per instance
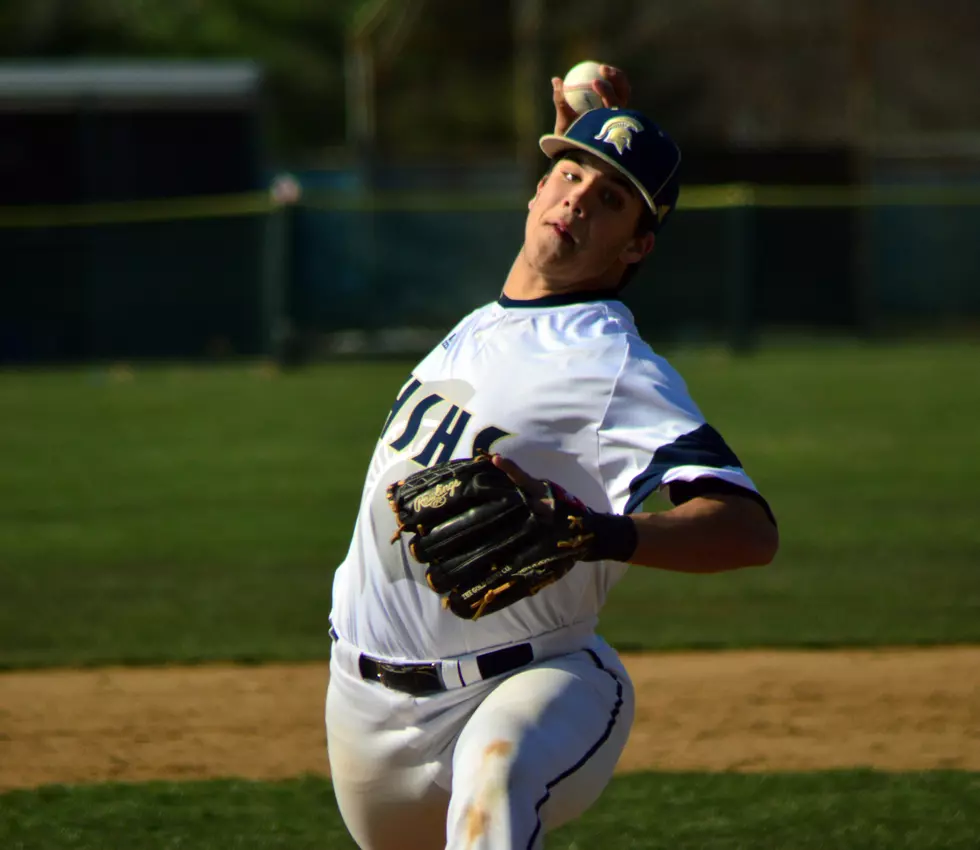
(843, 810)
(183, 514)
(196, 513)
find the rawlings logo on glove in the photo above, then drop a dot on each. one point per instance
(484, 544)
(436, 497)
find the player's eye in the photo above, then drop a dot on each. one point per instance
(569, 177)
(612, 199)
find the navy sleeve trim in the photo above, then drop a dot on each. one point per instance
(683, 491)
(703, 446)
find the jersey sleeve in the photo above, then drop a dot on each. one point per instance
(652, 434)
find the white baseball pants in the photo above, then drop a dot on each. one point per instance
(488, 766)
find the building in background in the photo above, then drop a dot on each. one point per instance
(127, 229)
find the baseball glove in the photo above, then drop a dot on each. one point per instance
(485, 547)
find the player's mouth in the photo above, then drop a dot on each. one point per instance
(563, 232)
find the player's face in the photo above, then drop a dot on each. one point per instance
(581, 227)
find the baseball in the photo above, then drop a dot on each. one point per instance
(577, 87)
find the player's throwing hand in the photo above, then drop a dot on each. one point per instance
(613, 88)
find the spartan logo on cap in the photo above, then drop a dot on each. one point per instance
(619, 132)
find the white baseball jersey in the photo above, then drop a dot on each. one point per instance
(568, 390)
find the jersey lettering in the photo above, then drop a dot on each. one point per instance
(446, 436)
(487, 437)
(444, 439)
(407, 391)
(415, 421)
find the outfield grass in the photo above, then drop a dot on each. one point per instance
(188, 513)
(853, 810)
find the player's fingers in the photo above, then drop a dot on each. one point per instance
(529, 485)
(618, 83)
(557, 91)
(606, 92)
(564, 114)
(514, 472)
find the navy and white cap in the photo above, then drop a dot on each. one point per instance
(634, 145)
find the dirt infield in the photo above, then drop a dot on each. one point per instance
(750, 711)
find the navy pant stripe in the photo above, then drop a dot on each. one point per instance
(613, 715)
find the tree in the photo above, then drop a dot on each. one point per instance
(300, 44)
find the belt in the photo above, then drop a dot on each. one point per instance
(420, 678)
(424, 679)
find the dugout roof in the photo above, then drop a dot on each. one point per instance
(123, 85)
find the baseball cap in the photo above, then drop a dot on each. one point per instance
(634, 145)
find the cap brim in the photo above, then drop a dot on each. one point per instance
(553, 145)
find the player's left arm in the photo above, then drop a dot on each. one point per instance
(653, 438)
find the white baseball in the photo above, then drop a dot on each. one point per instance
(577, 87)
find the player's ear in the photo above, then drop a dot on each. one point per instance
(638, 247)
(537, 191)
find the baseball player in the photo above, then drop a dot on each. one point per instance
(486, 730)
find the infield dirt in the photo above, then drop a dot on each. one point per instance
(901, 709)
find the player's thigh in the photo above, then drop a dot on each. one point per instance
(379, 823)
(540, 749)
(382, 777)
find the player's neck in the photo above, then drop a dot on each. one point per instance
(525, 283)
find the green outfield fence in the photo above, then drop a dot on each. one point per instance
(388, 272)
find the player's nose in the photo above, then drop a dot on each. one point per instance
(578, 201)
(579, 198)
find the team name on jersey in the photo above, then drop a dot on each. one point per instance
(444, 439)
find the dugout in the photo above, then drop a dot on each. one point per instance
(98, 262)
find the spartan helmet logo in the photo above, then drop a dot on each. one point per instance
(619, 132)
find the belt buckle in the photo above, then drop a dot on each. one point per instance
(383, 674)
(419, 679)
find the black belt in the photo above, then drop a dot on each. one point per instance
(423, 679)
